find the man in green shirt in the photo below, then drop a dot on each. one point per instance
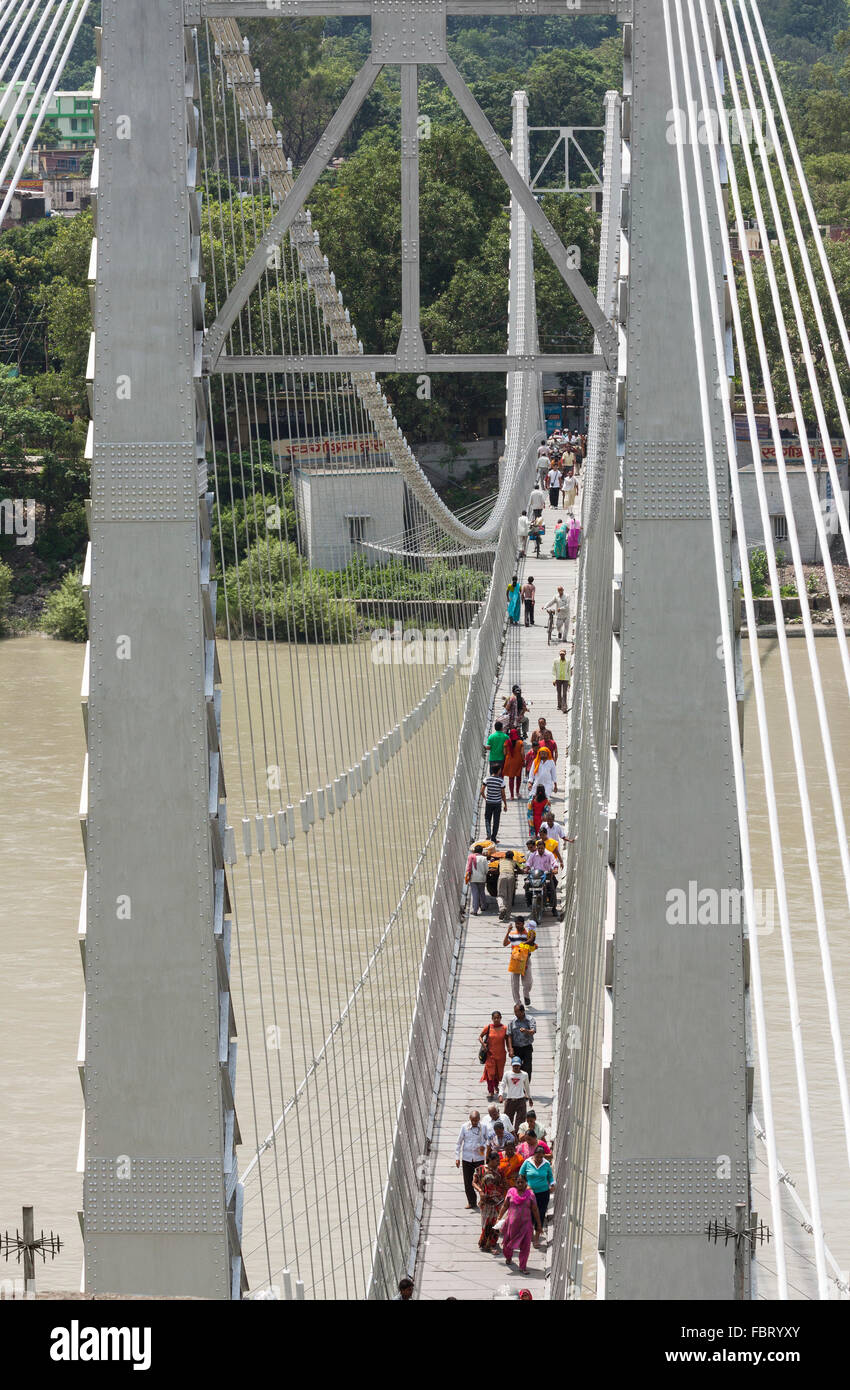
(496, 749)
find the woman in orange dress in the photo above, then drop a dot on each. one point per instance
(514, 762)
(493, 1037)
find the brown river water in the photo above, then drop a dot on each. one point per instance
(41, 983)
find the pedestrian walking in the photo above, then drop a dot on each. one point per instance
(559, 542)
(554, 478)
(521, 1220)
(494, 1118)
(537, 1172)
(514, 761)
(545, 773)
(573, 539)
(521, 938)
(493, 1043)
(499, 1137)
(469, 1151)
(510, 1161)
(506, 884)
(561, 679)
(528, 593)
(569, 492)
(495, 802)
(513, 601)
(476, 876)
(539, 806)
(520, 1038)
(492, 1188)
(515, 1094)
(547, 738)
(516, 711)
(531, 1128)
(496, 747)
(559, 604)
(522, 528)
(536, 502)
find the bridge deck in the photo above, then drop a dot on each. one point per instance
(449, 1263)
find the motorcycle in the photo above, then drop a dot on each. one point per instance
(540, 893)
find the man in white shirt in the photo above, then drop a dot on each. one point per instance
(522, 528)
(560, 604)
(469, 1150)
(515, 1094)
(536, 503)
(495, 1115)
(554, 478)
(553, 831)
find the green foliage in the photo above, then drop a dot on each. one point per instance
(5, 594)
(758, 572)
(282, 600)
(64, 614)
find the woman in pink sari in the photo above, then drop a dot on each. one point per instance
(573, 539)
(521, 1222)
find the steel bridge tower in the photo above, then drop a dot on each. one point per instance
(160, 1193)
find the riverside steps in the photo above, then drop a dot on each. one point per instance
(449, 1263)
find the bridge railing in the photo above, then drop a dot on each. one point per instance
(589, 874)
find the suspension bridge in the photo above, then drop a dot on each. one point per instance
(283, 985)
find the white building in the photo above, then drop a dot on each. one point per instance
(799, 495)
(338, 508)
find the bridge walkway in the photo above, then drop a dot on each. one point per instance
(449, 1263)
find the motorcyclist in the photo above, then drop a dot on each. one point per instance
(543, 860)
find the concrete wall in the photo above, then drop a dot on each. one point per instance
(803, 514)
(325, 500)
(437, 462)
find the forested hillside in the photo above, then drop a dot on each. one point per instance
(565, 65)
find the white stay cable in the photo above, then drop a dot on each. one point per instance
(17, 29)
(814, 294)
(758, 687)
(808, 1222)
(804, 187)
(57, 73)
(12, 126)
(811, 846)
(725, 624)
(15, 25)
(802, 331)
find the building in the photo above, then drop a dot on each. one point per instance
(62, 196)
(70, 115)
(798, 489)
(339, 508)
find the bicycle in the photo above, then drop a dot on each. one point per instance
(550, 627)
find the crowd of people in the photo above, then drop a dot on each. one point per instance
(506, 1159)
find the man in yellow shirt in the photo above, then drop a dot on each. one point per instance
(561, 670)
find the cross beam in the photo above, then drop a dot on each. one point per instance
(406, 33)
(197, 10)
(428, 362)
(566, 137)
